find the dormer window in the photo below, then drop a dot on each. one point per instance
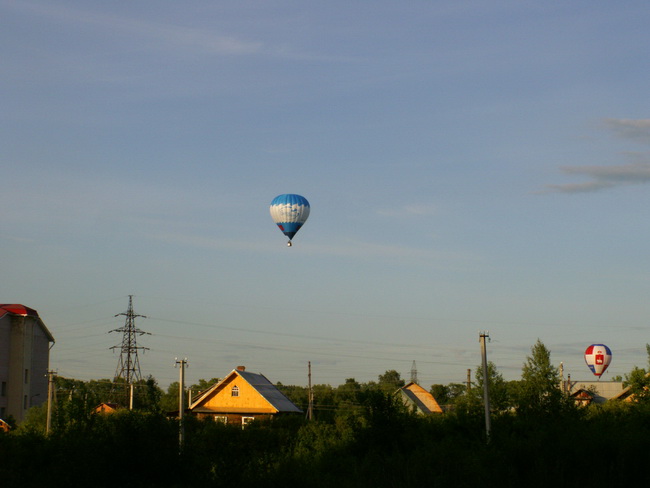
(235, 391)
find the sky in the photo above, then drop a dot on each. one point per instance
(471, 166)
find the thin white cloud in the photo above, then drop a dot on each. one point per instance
(606, 177)
(413, 210)
(636, 129)
(602, 178)
(165, 35)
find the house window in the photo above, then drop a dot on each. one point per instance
(26, 376)
(235, 391)
(25, 402)
(3, 389)
(245, 421)
(221, 419)
(2, 412)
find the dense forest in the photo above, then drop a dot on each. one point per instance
(361, 435)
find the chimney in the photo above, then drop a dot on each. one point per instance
(241, 368)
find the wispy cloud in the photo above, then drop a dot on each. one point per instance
(602, 177)
(606, 177)
(165, 35)
(636, 129)
(412, 210)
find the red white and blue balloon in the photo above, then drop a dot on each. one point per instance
(598, 357)
(289, 211)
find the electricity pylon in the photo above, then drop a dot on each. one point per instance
(128, 366)
(414, 373)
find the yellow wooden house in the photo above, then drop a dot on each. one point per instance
(240, 398)
(419, 399)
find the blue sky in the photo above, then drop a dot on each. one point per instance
(470, 165)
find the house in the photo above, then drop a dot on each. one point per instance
(586, 392)
(416, 397)
(25, 345)
(240, 398)
(106, 408)
(583, 397)
(627, 395)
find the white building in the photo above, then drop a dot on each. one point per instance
(25, 346)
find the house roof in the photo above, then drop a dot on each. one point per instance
(424, 401)
(18, 310)
(260, 383)
(603, 390)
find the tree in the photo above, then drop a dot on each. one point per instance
(390, 381)
(203, 384)
(347, 392)
(639, 381)
(539, 390)
(497, 387)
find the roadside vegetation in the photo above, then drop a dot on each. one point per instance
(361, 435)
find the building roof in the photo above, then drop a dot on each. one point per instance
(18, 310)
(414, 394)
(601, 390)
(260, 383)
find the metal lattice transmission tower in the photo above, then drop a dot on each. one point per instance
(414, 373)
(128, 366)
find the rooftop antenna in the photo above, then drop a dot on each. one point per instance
(414, 373)
(128, 366)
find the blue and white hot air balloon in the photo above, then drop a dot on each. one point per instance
(598, 357)
(289, 212)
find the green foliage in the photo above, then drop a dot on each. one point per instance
(639, 381)
(390, 381)
(363, 436)
(501, 393)
(378, 443)
(539, 390)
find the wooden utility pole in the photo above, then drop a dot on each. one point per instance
(310, 394)
(181, 403)
(486, 390)
(50, 396)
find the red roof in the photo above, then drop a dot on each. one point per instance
(23, 311)
(17, 309)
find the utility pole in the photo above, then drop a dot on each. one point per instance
(50, 396)
(128, 366)
(310, 394)
(468, 381)
(486, 392)
(181, 403)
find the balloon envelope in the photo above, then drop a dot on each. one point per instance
(598, 357)
(289, 211)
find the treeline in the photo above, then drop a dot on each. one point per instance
(363, 435)
(380, 444)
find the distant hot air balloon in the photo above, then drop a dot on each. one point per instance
(598, 357)
(289, 212)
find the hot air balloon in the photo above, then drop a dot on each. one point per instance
(289, 212)
(598, 357)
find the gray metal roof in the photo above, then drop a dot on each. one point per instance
(269, 391)
(603, 390)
